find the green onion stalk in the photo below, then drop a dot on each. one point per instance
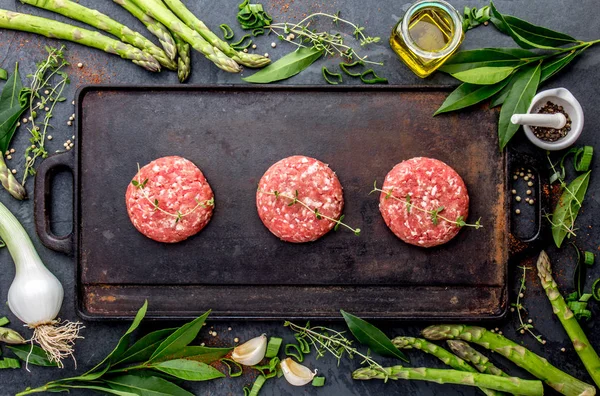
(582, 345)
(36, 295)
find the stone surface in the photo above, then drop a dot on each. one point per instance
(578, 18)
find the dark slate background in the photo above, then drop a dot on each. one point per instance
(578, 18)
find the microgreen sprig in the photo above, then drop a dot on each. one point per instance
(434, 214)
(559, 176)
(44, 96)
(300, 34)
(294, 200)
(141, 185)
(324, 340)
(518, 306)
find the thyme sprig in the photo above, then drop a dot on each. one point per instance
(518, 306)
(45, 93)
(301, 34)
(325, 340)
(434, 214)
(141, 185)
(294, 200)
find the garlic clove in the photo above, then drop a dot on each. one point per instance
(251, 352)
(295, 373)
(10, 336)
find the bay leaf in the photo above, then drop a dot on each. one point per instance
(469, 94)
(532, 39)
(553, 65)
(36, 355)
(146, 386)
(566, 210)
(12, 90)
(287, 66)
(518, 101)
(538, 34)
(372, 337)
(14, 100)
(198, 353)
(484, 75)
(144, 347)
(98, 389)
(470, 59)
(180, 338)
(188, 370)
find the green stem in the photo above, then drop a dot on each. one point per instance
(521, 356)
(582, 345)
(446, 376)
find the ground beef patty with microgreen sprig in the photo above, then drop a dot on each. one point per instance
(435, 192)
(169, 200)
(296, 180)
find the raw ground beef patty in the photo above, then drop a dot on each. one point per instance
(431, 184)
(317, 186)
(178, 186)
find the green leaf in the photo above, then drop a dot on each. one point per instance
(491, 57)
(198, 353)
(553, 65)
(287, 66)
(518, 101)
(371, 336)
(499, 98)
(13, 102)
(4, 320)
(144, 347)
(36, 355)
(146, 386)
(121, 347)
(527, 35)
(567, 208)
(180, 338)
(12, 90)
(537, 34)
(3, 74)
(469, 94)
(484, 75)
(189, 370)
(97, 388)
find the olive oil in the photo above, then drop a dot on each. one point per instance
(427, 36)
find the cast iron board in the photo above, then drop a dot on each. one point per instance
(235, 266)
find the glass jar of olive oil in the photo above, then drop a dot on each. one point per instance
(428, 34)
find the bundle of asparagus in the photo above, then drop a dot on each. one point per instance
(176, 28)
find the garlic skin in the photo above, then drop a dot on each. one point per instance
(295, 373)
(251, 352)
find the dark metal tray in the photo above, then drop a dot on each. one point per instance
(235, 266)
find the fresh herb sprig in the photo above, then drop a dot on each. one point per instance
(46, 92)
(520, 309)
(434, 214)
(326, 340)
(294, 200)
(301, 35)
(509, 76)
(178, 215)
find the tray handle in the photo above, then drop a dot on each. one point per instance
(519, 245)
(42, 200)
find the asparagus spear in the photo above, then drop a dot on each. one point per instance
(10, 183)
(250, 60)
(522, 357)
(101, 21)
(449, 359)
(582, 345)
(157, 10)
(441, 376)
(479, 360)
(156, 28)
(184, 62)
(53, 29)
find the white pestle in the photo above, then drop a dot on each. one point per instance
(556, 121)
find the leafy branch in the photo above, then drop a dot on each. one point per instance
(294, 200)
(434, 214)
(518, 306)
(335, 342)
(300, 34)
(45, 94)
(141, 186)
